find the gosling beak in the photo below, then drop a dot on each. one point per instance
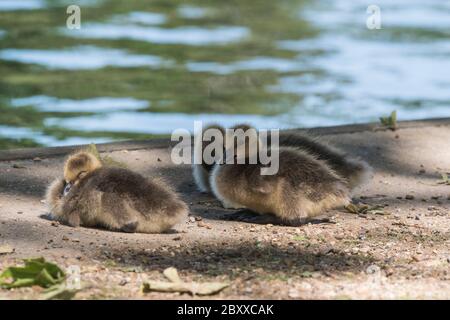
(67, 188)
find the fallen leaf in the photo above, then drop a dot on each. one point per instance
(4, 249)
(106, 160)
(361, 208)
(299, 238)
(390, 122)
(59, 292)
(202, 289)
(306, 274)
(92, 148)
(445, 179)
(352, 208)
(172, 274)
(177, 285)
(35, 272)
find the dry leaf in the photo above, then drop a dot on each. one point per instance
(4, 249)
(361, 208)
(172, 274)
(203, 289)
(177, 285)
(59, 292)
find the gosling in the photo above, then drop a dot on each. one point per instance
(355, 172)
(303, 187)
(117, 199)
(200, 168)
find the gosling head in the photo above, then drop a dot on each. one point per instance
(77, 166)
(241, 143)
(206, 135)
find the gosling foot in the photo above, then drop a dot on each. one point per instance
(130, 227)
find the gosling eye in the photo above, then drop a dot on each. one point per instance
(67, 188)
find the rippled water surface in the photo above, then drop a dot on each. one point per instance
(139, 69)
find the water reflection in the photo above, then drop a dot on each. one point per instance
(139, 68)
(46, 140)
(257, 63)
(147, 18)
(12, 5)
(102, 104)
(188, 35)
(158, 123)
(190, 12)
(92, 58)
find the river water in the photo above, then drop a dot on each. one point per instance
(140, 69)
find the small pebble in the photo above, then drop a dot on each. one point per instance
(409, 197)
(389, 272)
(373, 269)
(123, 282)
(201, 224)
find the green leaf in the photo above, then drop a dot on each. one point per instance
(59, 292)
(106, 160)
(299, 238)
(306, 274)
(391, 121)
(35, 272)
(445, 179)
(92, 148)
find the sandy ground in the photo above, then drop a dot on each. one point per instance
(401, 254)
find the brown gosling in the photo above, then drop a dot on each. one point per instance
(303, 187)
(117, 199)
(355, 171)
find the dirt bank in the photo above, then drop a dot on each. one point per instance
(400, 252)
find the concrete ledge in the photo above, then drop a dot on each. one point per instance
(29, 153)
